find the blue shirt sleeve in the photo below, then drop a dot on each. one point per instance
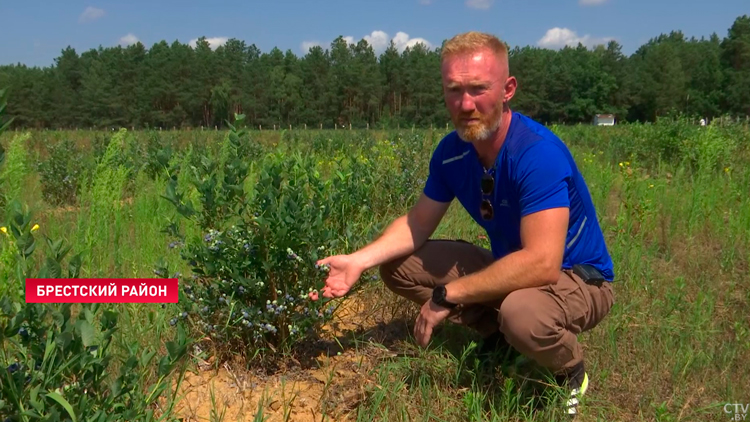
(436, 187)
(543, 176)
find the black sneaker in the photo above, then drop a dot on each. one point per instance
(576, 382)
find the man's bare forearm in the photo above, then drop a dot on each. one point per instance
(400, 238)
(518, 270)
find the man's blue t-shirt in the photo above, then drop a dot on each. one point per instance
(534, 171)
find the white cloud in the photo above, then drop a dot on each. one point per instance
(560, 37)
(591, 2)
(213, 42)
(378, 40)
(127, 40)
(479, 4)
(402, 40)
(307, 45)
(90, 14)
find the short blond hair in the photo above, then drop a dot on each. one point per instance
(473, 41)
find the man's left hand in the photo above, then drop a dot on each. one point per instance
(430, 316)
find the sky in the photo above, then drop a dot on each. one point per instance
(34, 32)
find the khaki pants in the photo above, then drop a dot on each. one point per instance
(541, 323)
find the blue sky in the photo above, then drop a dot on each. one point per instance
(35, 31)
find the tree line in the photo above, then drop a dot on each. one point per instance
(176, 85)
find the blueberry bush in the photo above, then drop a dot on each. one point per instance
(61, 173)
(253, 264)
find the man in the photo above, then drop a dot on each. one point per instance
(520, 183)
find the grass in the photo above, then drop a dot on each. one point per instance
(675, 346)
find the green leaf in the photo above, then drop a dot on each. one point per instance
(64, 403)
(165, 367)
(21, 271)
(53, 268)
(146, 357)
(48, 349)
(109, 320)
(89, 315)
(74, 266)
(30, 249)
(116, 387)
(87, 332)
(34, 399)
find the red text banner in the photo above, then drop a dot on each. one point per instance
(101, 290)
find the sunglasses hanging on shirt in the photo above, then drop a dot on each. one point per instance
(488, 185)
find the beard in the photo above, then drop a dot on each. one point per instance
(480, 130)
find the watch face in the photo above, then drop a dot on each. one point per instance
(439, 293)
(438, 296)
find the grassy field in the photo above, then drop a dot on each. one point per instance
(672, 200)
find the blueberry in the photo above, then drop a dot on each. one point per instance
(184, 315)
(14, 367)
(172, 321)
(23, 332)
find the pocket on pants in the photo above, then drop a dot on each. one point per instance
(574, 298)
(602, 300)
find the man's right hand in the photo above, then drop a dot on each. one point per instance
(345, 270)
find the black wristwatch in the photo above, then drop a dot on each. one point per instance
(438, 296)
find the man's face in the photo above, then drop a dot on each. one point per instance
(474, 85)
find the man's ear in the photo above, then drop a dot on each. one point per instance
(510, 88)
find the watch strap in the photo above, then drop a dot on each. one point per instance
(438, 296)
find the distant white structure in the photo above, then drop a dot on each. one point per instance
(703, 122)
(604, 120)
